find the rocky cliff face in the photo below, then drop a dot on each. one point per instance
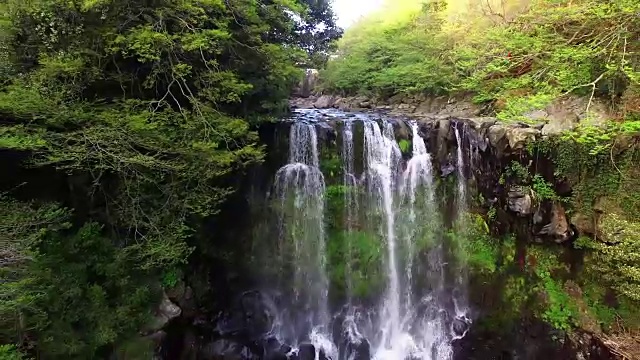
(503, 173)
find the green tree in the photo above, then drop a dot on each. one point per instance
(146, 110)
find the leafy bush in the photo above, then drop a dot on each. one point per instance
(78, 291)
(9, 352)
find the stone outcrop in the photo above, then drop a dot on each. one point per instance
(325, 101)
(567, 113)
(401, 105)
(520, 201)
(165, 312)
(558, 227)
(561, 115)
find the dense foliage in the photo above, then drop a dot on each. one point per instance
(591, 284)
(601, 165)
(124, 124)
(517, 55)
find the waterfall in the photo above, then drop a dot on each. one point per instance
(301, 189)
(350, 201)
(432, 342)
(389, 214)
(460, 294)
(382, 164)
(461, 196)
(417, 174)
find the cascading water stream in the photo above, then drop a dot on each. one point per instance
(301, 189)
(460, 295)
(432, 341)
(461, 196)
(382, 160)
(391, 209)
(350, 201)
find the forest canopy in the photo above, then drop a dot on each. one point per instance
(122, 127)
(518, 55)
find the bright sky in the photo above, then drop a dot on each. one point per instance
(348, 11)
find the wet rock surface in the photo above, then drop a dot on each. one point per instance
(242, 330)
(227, 350)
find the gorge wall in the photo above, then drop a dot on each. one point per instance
(533, 247)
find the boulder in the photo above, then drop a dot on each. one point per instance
(460, 326)
(361, 102)
(306, 351)
(358, 350)
(322, 355)
(585, 224)
(177, 292)
(558, 228)
(497, 137)
(537, 115)
(165, 312)
(519, 137)
(557, 126)
(182, 295)
(520, 201)
(460, 108)
(481, 123)
(365, 104)
(325, 101)
(302, 103)
(406, 108)
(431, 105)
(397, 99)
(566, 113)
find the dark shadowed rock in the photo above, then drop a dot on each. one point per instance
(165, 312)
(306, 351)
(558, 227)
(358, 350)
(447, 169)
(460, 326)
(224, 349)
(251, 317)
(325, 131)
(322, 355)
(275, 350)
